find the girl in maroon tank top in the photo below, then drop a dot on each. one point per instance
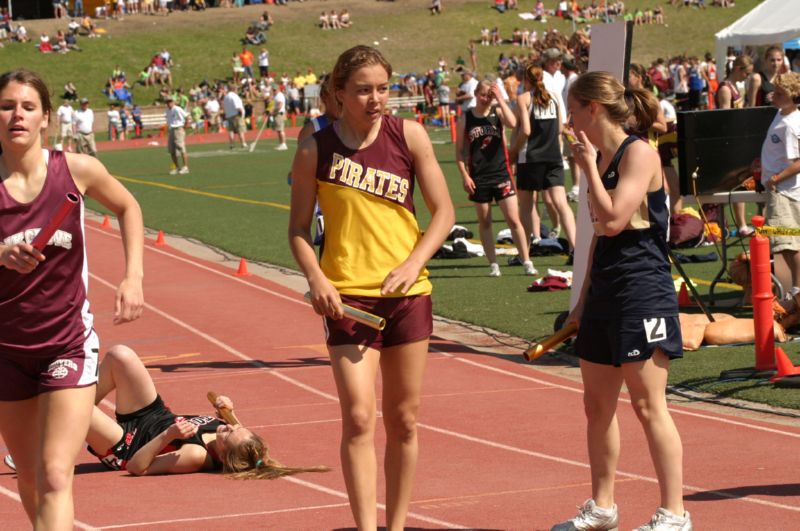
(366, 201)
(47, 342)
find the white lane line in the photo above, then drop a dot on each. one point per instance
(226, 516)
(381, 506)
(580, 390)
(14, 496)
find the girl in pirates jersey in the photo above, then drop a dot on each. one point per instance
(146, 438)
(482, 159)
(364, 169)
(540, 167)
(627, 310)
(48, 349)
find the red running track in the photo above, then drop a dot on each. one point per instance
(502, 443)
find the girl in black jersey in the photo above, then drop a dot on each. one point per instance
(146, 438)
(482, 159)
(540, 167)
(627, 309)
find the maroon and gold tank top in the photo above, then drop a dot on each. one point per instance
(367, 198)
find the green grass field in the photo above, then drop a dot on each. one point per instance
(238, 202)
(413, 40)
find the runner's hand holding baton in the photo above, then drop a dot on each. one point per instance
(359, 316)
(23, 257)
(224, 411)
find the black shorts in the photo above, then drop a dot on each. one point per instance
(618, 341)
(538, 176)
(138, 428)
(496, 191)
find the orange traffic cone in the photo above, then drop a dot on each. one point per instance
(106, 223)
(160, 239)
(242, 271)
(784, 364)
(683, 296)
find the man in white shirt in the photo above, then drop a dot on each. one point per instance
(176, 142)
(64, 116)
(466, 91)
(84, 127)
(279, 114)
(234, 114)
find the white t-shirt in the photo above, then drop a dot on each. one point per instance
(263, 59)
(113, 117)
(84, 120)
(780, 148)
(212, 107)
(233, 105)
(468, 87)
(176, 117)
(65, 114)
(555, 83)
(280, 103)
(669, 111)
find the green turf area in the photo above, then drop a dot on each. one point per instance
(412, 39)
(238, 201)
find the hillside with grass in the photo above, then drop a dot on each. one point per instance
(202, 42)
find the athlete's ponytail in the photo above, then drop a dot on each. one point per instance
(250, 460)
(534, 78)
(620, 103)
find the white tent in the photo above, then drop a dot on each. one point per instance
(770, 22)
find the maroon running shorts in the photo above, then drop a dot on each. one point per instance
(25, 376)
(408, 319)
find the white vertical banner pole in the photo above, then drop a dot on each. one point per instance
(610, 52)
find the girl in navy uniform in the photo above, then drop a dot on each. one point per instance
(146, 438)
(482, 159)
(48, 348)
(628, 311)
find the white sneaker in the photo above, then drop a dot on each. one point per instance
(555, 233)
(664, 520)
(591, 517)
(494, 270)
(528, 268)
(184, 170)
(282, 147)
(535, 240)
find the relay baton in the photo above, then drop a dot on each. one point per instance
(41, 239)
(549, 343)
(360, 316)
(226, 414)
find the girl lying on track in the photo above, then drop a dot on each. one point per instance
(146, 438)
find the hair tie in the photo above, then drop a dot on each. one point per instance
(259, 463)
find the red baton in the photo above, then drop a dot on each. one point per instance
(41, 239)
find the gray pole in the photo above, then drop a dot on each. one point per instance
(10, 11)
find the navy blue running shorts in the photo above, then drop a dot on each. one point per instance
(626, 340)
